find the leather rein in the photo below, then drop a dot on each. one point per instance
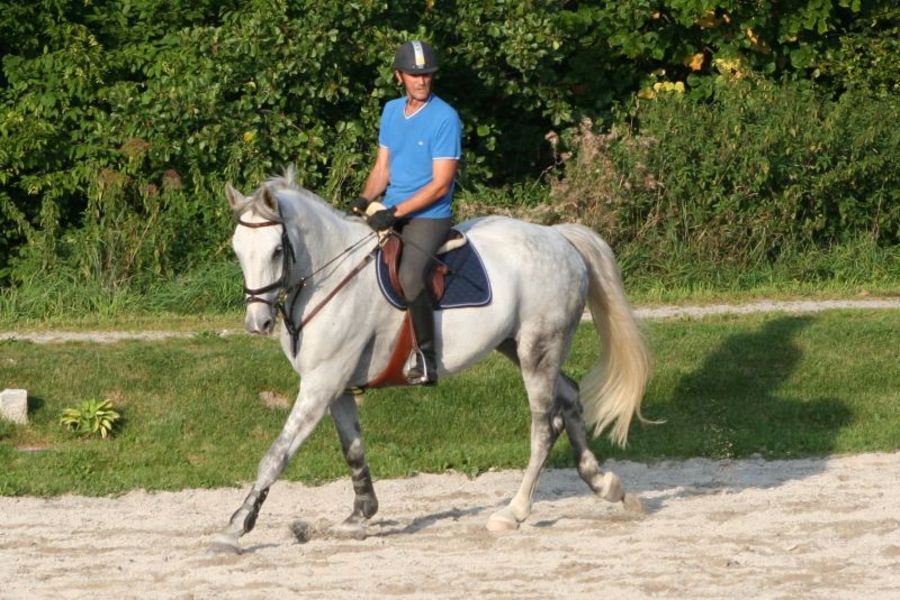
(287, 291)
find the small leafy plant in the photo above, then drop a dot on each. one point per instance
(91, 417)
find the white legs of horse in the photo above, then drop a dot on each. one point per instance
(545, 429)
(541, 277)
(308, 410)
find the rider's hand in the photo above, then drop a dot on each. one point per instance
(358, 206)
(383, 219)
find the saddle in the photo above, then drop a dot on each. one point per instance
(392, 249)
(458, 280)
(395, 371)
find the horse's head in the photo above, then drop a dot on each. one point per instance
(262, 248)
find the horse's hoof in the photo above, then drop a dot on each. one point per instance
(612, 489)
(303, 531)
(633, 504)
(502, 521)
(350, 530)
(223, 543)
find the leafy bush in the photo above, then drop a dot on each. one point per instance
(91, 417)
(120, 120)
(865, 58)
(760, 170)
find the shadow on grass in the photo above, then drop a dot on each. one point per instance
(736, 404)
(35, 404)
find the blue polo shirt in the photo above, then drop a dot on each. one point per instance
(433, 132)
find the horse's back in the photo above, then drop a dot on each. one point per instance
(537, 279)
(536, 254)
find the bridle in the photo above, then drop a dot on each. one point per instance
(290, 292)
(287, 256)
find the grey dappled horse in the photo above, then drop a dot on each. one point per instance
(295, 251)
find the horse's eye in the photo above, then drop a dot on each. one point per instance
(278, 252)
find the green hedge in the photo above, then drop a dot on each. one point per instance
(758, 171)
(121, 119)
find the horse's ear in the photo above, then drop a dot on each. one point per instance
(269, 200)
(235, 198)
(290, 177)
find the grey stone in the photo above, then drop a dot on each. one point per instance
(14, 405)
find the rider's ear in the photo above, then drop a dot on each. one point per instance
(398, 78)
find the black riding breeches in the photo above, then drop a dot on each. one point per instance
(421, 239)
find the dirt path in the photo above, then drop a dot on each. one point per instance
(812, 528)
(662, 312)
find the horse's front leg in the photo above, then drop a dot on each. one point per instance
(365, 504)
(308, 410)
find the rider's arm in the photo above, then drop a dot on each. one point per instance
(443, 171)
(378, 178)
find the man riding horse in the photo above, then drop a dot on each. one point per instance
(419, 146)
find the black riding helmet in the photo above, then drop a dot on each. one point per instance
(416, 58)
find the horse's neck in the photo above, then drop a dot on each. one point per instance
(321, 231)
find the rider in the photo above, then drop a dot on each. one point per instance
(419, 146)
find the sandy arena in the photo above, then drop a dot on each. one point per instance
(810, 528)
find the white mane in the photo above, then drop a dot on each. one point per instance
(283, 187)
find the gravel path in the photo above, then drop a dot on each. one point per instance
(662, 312)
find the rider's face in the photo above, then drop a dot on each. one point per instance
(418, 87)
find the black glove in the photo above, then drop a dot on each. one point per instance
(358, 206)
(383, 219)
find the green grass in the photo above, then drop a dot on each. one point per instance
(210, 297)
(775, 385)
(858, 268)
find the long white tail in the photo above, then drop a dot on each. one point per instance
(611, 392)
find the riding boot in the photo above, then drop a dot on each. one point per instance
(421, 313)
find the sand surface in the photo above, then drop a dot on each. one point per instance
(808, 528)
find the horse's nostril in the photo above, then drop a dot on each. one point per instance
(259, 324)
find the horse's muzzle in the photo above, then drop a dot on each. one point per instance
(259, 319)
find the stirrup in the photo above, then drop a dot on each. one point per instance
(417, 371)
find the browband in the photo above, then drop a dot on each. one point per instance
(258, 225)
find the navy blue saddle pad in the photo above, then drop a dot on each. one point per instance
(465, 285)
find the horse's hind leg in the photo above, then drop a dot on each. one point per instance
(365, 504)
(606, 485)
(540, 363)
(567, 410)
